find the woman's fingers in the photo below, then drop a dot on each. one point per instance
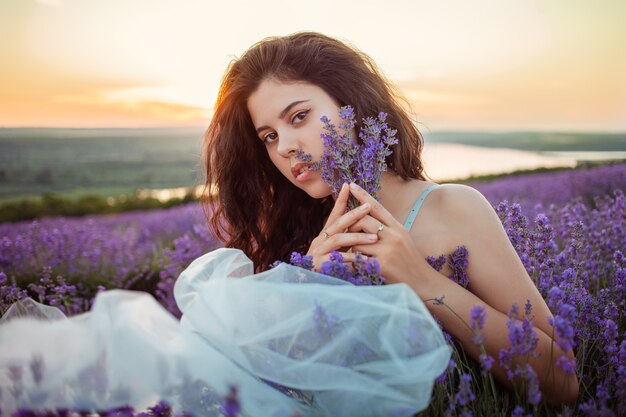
(377, 211)
(347, 220)
(367, 224)
(366, 250)
(343, 240)
(340, 205)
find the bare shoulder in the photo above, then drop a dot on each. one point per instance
(461, 206)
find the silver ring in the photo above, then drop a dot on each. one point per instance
(380, 228)
(325, 234)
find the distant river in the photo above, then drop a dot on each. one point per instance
(587, 155)
(446, 161)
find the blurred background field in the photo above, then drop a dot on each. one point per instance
(81, 171)
(104, 162)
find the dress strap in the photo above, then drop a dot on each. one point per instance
(416, 207)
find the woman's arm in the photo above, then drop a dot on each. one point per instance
(497, 279)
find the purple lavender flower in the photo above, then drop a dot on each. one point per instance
(161, 409)
(555, 297)
(325, 326)
(436, 263)
(620, 389)
(533, 393)
(367, 271)
(275, 264)
(566, 364)
(15, 375)
(458, 262)
(523, 341)
(543, 243)
(563, 324)
(303, 156)
(465, 395)
(37, 368)
(462, 398)
(335, 267)
(518, 411)
(231, 406)
(302, 261)
(478, 316)
(528, 310)
(486, 361)
(444, 375)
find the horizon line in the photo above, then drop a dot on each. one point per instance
(422, 131)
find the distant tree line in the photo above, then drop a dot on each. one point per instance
(51, 204)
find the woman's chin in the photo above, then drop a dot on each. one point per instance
(317, 191)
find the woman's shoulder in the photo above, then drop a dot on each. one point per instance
(451, 194)
(462, 206)
(456, 204)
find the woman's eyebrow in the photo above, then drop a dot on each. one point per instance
(283, 113)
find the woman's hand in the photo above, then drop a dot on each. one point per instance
(395, 249)
(335, 235)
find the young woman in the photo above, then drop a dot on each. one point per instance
(265, 201)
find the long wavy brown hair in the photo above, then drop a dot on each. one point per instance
(250, 205)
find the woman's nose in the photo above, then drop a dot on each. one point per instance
(288, 144)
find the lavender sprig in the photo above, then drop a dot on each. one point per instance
(346, 160)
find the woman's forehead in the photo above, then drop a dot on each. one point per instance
(272, 97)
(271, 89)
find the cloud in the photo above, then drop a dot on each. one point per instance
(145, 107)
(94, 107)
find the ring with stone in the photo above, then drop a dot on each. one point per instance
(325, 234)
(380, 228)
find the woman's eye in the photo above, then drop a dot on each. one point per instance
(272, 137)
(269, 138)
(300, 116)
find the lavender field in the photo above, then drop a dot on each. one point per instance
(568, 228)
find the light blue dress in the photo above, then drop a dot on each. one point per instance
(294, 342)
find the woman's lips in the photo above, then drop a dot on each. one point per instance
(295, 170)
(304, 176)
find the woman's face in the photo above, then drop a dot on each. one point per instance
(286, 117)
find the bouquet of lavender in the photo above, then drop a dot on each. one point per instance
(345, 160)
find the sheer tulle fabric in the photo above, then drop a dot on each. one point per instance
(292, 341)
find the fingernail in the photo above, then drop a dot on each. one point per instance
(372, 237)
(365, 206)
(353, 186)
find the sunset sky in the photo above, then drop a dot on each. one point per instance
(464, 65)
